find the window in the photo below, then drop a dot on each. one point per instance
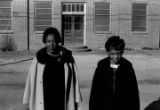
(43, 15)
(139, 17)
(73, 8)
(67, 22)
(5, 15)
(102, 17)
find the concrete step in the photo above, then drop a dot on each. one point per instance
(79, 48)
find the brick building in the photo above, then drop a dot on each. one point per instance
(82, 22)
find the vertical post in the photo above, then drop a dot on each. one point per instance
(62, 27)
(28, 32)
(72, 29)
(159, 41)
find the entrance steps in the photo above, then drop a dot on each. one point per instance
(78, 48)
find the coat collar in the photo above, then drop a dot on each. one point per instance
(109, 69)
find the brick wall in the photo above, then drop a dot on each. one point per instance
(121, 13)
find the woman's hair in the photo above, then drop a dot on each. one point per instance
(115, 42)
(52, 31)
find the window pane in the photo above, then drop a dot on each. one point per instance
(139, 29)
(102, 20)
(69, 7)
(138, 23)
(82, 8)
(138, 12)
(77, 8)
(5, 22)
(43, 22)
(64, 7)
(78, 19)
(102, 5)
(102, 28)
(139, 6)
(43, 11)
(43, 15)
(77, 26)
(5, 12)
(78, 23)
(5, 4)
(102, 16)
(41, 28)
(139, 17)
(67, 19)
(44, 5)
(73, 7)
(105, 12)
(67, 26)
(5, 27)
(5, 15)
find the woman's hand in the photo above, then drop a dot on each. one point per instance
(65, 55)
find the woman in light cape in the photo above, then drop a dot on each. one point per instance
(52, 81)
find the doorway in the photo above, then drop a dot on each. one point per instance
(72, 30)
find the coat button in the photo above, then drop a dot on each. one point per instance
(41, 82)
(40, 102)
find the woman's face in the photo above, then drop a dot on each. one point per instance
(51, 44)
(115, 55)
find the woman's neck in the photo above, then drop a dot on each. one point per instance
(54, 54)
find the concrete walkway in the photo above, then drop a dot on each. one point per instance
(147, 70)
(13, 77)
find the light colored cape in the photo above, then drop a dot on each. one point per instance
(33, 93)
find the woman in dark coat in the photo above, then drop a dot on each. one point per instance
(114, 85)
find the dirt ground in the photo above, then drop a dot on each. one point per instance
(147, 68)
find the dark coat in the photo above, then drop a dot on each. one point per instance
(66, 55)
(155, 105)
(125, 96)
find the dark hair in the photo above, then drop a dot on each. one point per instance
(116, 43)
(53, 31)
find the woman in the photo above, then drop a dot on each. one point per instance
(52, 80)
(114, 85)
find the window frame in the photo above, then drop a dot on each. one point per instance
(107, 31)
(146, 18)
(8, 19)
(71, 4)
(35, 14)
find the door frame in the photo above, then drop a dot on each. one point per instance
(72, 37)
(66, 12)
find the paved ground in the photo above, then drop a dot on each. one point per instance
(147, 67)
(147, 72)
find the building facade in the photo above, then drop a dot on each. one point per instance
(82, 22)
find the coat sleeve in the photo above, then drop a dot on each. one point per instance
(74, 92)
(27, 90)
(134, 91)
(78, 96)
(26, 97)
